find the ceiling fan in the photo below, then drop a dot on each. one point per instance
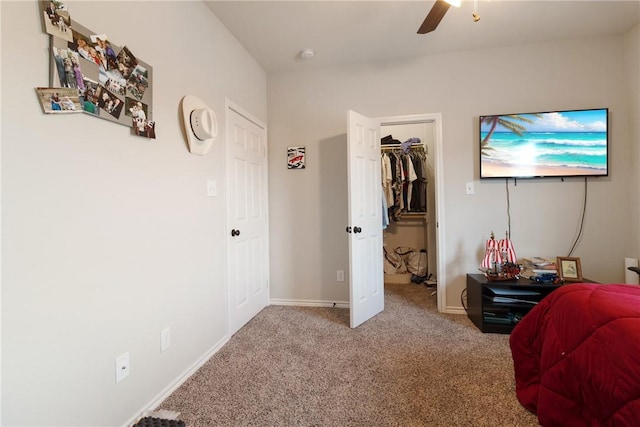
(438, 11)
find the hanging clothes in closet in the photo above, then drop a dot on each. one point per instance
(404, 183)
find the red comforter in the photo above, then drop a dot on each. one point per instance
(576, 356)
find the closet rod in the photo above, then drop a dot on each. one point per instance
(397, 146)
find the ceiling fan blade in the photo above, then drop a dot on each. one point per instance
(434, 17)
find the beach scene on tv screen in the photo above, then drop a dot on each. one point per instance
(562, 143)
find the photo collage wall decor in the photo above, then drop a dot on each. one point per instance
(91, 75)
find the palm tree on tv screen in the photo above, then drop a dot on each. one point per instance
(511, 125)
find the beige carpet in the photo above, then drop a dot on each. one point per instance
(408, 366)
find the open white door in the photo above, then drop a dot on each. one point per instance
(366, 279)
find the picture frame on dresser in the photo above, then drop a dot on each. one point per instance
(569, 269)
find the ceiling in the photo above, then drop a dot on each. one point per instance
(341, 32)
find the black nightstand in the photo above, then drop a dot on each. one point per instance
(493, 306)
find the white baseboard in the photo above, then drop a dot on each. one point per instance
(310, 303)
(455, 310)
(342, 304)
(166, 392)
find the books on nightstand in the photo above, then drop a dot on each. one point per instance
(540, 262)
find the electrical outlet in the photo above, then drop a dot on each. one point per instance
(340, 275)
(122, 367)
(165, 339)
(469, 188)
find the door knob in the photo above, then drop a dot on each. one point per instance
(357, 229)
(235, 232)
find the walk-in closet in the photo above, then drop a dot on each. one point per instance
(409, 200)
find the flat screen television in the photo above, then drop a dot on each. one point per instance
(566, 143)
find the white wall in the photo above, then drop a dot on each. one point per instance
(109, 238)
(632, 80)
(308, 107)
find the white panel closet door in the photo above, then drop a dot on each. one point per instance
(247, 219)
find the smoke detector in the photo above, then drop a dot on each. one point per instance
(307, 53)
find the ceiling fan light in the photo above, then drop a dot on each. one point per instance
(455, 3)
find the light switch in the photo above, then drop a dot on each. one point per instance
(212, 188)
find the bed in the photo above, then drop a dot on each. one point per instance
(576, 356)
